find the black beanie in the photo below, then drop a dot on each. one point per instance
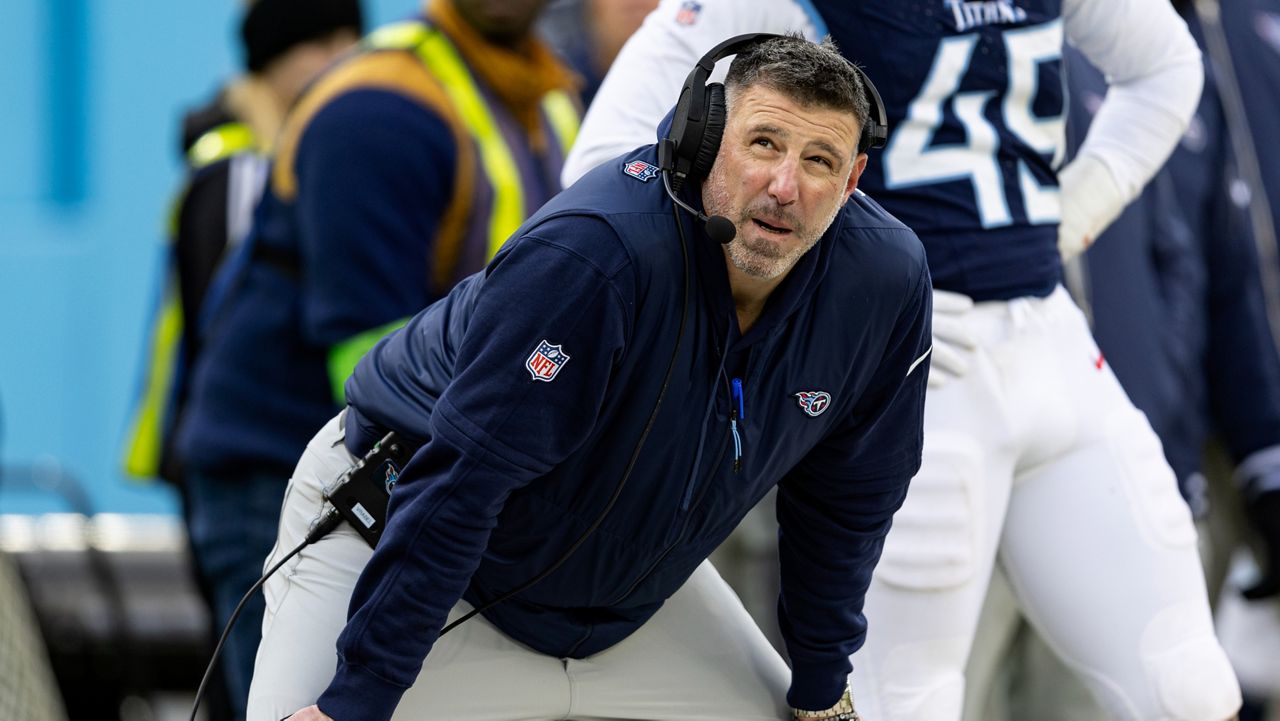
(271, 27)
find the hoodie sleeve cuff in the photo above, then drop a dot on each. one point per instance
(817, 685)
(356, 694)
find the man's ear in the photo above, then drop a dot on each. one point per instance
(859, 165)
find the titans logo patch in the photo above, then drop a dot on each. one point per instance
(813, 403)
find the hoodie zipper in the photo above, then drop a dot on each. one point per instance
(666, 551)
(737, 411)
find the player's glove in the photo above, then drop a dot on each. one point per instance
(842, 711)
(1263, 511)
(953, 344)
(1091, 200)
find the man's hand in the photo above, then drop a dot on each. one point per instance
(953, 344)
(310, 713)
(1091, 200)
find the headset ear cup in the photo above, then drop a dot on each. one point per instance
(712, 131)
(680, 121)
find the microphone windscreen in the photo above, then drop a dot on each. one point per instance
(720, 229)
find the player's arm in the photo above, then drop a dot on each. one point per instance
(835, 508)
(644, 80)
(494, 429)
(1154, 73)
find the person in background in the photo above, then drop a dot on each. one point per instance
(225, 144)
(1028, 434)
(1175, 292)
(397, 172)
(589, 34)
(1242, 41)
(1223, 307)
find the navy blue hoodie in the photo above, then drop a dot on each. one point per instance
(531, 384)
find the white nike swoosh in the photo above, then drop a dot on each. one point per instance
(919, 360)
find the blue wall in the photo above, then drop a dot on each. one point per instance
(93, 95)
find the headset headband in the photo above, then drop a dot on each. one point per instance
(699, 120)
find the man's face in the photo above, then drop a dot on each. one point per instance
(783, 172)
(501, 20)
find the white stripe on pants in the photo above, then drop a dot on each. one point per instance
(700, 658)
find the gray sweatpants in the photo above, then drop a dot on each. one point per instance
(700, 658)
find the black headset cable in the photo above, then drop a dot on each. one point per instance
(333, 518)
(635, 454)
(328, 523)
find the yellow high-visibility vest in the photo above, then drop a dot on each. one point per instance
(144, 444)
(440, 56)
(508, 210)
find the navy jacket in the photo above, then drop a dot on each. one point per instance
(531, 386)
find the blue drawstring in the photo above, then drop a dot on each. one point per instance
(738, 411)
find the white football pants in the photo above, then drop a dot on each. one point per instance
(701, 657)
(1037, 458)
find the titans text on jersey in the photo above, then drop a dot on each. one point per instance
(974, 96)
(971, 14)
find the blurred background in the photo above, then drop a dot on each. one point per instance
(91, 152)
(91, 156)
(100, 617)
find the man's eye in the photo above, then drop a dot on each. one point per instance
(822, 161)
(763, 142)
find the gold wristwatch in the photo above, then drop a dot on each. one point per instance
(842, 711)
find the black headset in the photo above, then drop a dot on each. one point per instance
(690, 147)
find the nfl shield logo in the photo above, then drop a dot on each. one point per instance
(640, 170)
(813, 403)
(546, 361)
(689, 12)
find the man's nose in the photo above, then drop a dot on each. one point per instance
(783, 187)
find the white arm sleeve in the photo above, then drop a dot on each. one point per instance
(1153, 70)
(644, 81)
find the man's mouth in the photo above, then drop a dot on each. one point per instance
(775, 229)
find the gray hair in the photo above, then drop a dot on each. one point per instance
(813, 74)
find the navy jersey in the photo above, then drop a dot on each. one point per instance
(974, 98)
